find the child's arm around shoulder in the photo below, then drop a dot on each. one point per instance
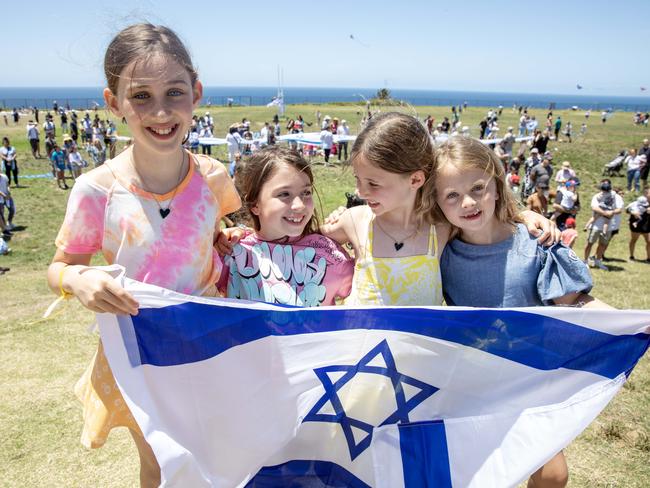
(350, 227)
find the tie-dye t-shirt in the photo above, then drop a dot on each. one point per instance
(125, 224)
(311, 271)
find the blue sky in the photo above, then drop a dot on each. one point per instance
(520, 46)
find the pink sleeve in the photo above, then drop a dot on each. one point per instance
(345, 270)
(221, 185)
(82, 231)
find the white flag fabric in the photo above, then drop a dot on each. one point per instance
(233, 393)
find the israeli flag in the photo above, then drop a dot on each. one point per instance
(242, 394)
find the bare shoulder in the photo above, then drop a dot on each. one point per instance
(345, 228)
(443, 231)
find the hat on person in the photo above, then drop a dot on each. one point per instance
(566, 164)
(570, 222)
(66, 137)
(534, 150)
(575, 180)
(344, 121)
(510, 129)
(515, 179)
(548, 155)
(570, 183)
(643, 201)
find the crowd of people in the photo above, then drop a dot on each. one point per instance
(416, 216)
(97, 137)
(554, 193)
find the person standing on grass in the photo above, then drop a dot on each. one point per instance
(558, 126)
(343, 130)
(58, 159)
(639, 211)
(154, 209)
(327, 140)
(48, 126)
(6, 201)
(50, 142)
(34, 139)
(600, 229)
(8, 155)
(74, 128)
(645, 168)
(75, 162)
(633, 162)
(568, 130)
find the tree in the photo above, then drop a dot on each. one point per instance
(383, 94)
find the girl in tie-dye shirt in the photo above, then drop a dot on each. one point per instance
(154, 209)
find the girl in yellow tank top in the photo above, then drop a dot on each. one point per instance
(395, 241)
(408, 280)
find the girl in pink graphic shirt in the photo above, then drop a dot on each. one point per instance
(154, 209)
(284, 260)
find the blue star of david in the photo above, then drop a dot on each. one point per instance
(401, 414)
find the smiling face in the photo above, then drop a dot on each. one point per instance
(385, 191)
(156, 97)
(468, 199)
(284, 205)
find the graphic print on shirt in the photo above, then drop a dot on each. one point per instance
(282, 275)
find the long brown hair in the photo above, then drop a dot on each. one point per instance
(260, 168)
(400, 144)
(140, 41)
(467, 152)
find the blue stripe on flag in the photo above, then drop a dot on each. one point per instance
(425, 460)
(191, 332)
(299, 473)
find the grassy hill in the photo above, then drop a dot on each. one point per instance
(40, 420)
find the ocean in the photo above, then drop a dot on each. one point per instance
(89, 97)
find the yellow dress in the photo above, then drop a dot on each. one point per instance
(409, 280)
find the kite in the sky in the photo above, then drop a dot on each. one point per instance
(357, 40)
(579, 87)
(643, 88)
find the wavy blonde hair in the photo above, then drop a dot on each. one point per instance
(467, 152)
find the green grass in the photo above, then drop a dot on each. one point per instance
(40, 419)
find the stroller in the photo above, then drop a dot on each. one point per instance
(613, 168)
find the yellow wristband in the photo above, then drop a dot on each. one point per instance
(64, 294)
